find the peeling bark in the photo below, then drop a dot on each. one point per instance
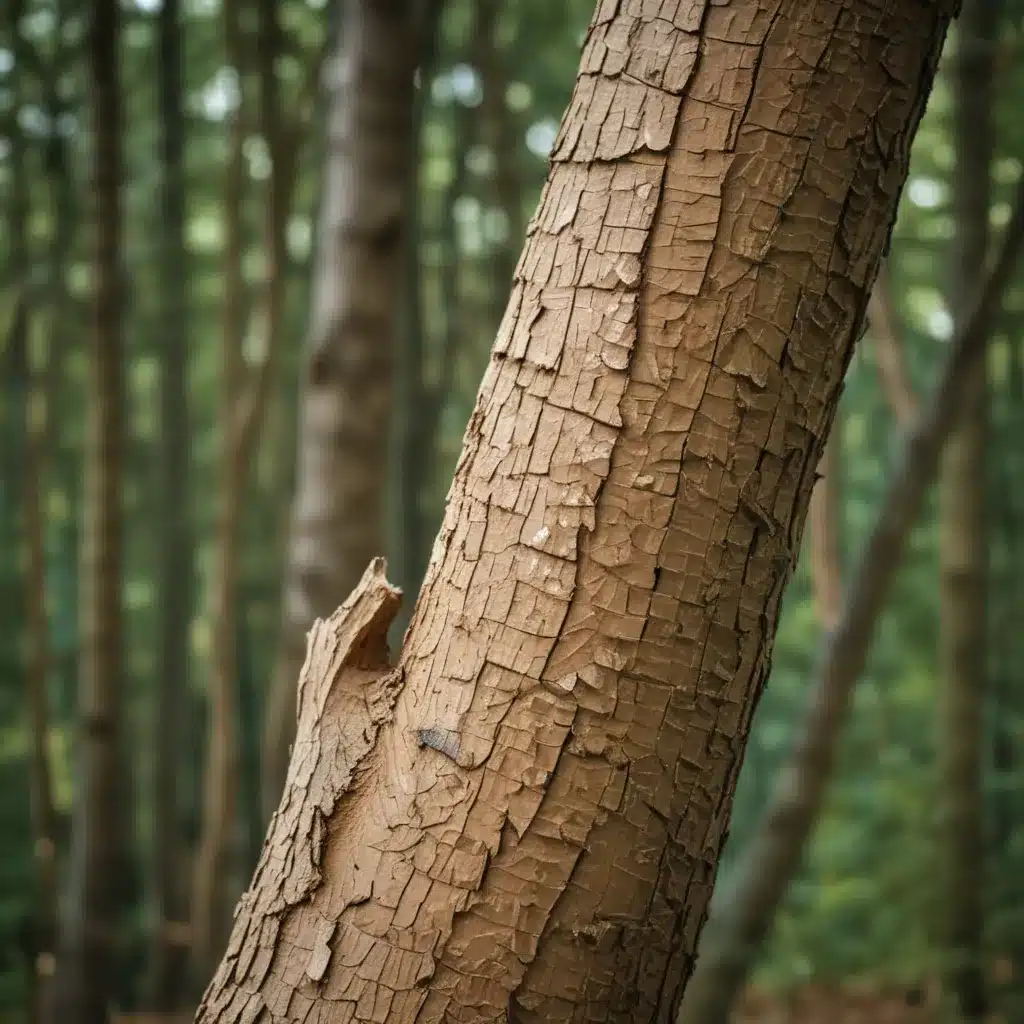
(533, 832)
(773, 855)
(963, 534)
(337, 519)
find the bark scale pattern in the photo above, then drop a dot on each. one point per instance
(535, 834)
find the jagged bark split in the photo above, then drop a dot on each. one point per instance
(534, 835)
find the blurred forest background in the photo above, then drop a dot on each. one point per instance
(165, 618)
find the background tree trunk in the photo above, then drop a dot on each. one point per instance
(99, 853)
(210, 899)
(963, 531)
(31, 384)
(521, 822)
(345, 416)
(169, 942)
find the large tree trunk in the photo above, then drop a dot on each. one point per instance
(521, 821)
(736, 932)
(963, 532)
(99, 855)
(337, 521)
(168, 959)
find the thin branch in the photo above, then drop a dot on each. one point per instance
(889, 352)
(825, 526)
(736, 933)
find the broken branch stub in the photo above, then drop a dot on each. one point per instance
(346, 692)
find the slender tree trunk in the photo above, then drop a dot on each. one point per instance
(33, 388)
(345, 406)
(169, 950)
(736, 933)
(964, 531)
(521, 821)
(99, 854)
(220, 781)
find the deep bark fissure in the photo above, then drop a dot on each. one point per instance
(596, 621)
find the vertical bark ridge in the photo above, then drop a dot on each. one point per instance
(535, 834)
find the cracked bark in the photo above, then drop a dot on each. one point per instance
(737, 931)
(531, 831)
(337, 519)
(963, 533)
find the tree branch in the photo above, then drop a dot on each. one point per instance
(888, 349)
(736, 933)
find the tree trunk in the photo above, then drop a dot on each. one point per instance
(736, 933)
(32, 388)
(99, 854)
(963, 532)
(209, 917)
(337, 521)
(169, 944)
(521, 821)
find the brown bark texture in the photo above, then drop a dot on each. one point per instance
(99, 855)
(963, 531)
(737, 931)
(521, 820)
(168, 958)
(345, 407)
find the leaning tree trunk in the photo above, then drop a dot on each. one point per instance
(521, 820)
(964, 536)
(337, 520)
(85, 974)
